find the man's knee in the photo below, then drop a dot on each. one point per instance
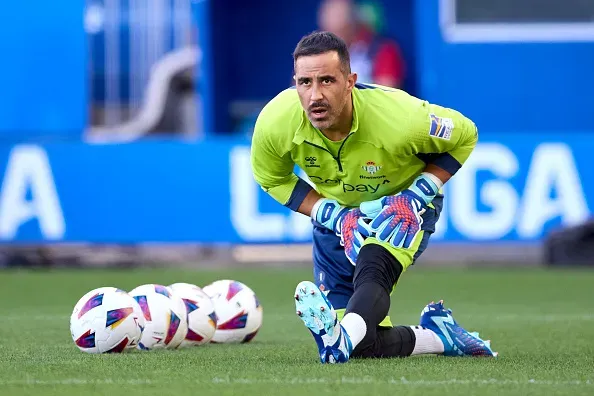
(377, 265)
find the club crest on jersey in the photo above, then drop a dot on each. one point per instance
(441, 127)
(371, 167)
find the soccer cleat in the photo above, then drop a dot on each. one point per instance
(456, 340)
(318, 315)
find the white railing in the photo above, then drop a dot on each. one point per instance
(144, 43)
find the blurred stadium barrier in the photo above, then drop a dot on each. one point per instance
(65, 201)
(512, 192)
(131, 45)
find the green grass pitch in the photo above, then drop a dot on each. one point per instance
(540, 321)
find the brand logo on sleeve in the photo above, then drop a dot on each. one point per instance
(441, 127)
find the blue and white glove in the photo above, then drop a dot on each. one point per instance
(343, 222)
(397, 218)
(352, 235)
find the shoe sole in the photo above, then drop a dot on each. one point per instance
(314, 309)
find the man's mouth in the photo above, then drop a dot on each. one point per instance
(319, 111)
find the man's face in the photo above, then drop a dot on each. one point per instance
(323, 87)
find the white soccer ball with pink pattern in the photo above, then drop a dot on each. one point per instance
(164, 315)
(106, 320)
(200, 314)
(238, 310)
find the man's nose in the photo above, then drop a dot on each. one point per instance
(316, 93)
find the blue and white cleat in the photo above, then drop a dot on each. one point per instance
(456, 340)
(316, 312)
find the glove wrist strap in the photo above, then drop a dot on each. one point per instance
(328, 213)
(426, 186)
(316, 208)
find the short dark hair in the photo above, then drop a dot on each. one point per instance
(317, 43)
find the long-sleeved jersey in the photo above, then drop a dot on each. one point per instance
(393, 137)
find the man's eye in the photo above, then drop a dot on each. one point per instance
(304, 82)
(326, 81)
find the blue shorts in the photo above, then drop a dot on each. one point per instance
(333, 272)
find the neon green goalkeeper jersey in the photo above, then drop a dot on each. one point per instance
(393, 137)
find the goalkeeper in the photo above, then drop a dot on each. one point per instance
(378, 158)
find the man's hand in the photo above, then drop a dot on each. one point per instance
(344, 222)
(396, 218)
(351, 234)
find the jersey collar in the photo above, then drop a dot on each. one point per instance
(307, 132)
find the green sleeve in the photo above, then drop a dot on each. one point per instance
(273, 170)
(438, 129)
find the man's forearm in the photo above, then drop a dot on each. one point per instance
(312, 197)
(441, 174)
(308, 203)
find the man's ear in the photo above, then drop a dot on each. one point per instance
(351, 80)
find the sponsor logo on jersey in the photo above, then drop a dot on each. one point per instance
(311, 162)
(363, 187)
(372, 177)
(346, 187)
(441, 127)
(320, 180)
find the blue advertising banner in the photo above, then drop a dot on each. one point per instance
(512, 189)
(507, 74)
(43, 73)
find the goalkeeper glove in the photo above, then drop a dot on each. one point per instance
(397, 218)
(344, 223)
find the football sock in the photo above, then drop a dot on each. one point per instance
(396, 341)
(355, 327)
(376, 273)
(427, 342)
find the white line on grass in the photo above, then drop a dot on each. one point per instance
(395, 381)
(302, 381)
(77, 381)
(538, 318)
(501, 318)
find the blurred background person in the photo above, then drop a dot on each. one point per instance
(375, 58)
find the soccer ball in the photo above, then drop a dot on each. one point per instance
(201, 317)
(238, 311)
(106, 320)
(181, 287)
(164, 314)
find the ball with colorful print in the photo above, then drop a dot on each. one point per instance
(106, 320)
(164, 316)
(239, 313)
(201, 317)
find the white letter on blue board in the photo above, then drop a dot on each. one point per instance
(552, 167)
(250, 224)
(29, 169)
(499, 195)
